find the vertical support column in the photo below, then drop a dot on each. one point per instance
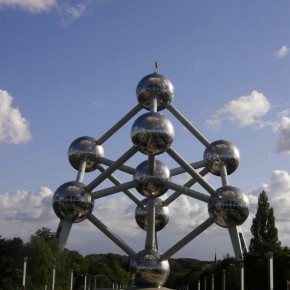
(238, 241)
(270, 272)
(204, 283)
(198, 285)
(212, 281)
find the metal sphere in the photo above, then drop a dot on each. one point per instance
(148, 271)
(71, 202)
(152, 133)
(222, 152)
(152, 184)
(229, 207)
(85, 149)
(161, 215)
(155, 85)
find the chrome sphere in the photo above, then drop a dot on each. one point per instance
(71, 202)
(222, 152)
(148, 271)
(152, 185)
(161, 215)
(155, 85)
(85, 149)
(152, 133)
(229, 207)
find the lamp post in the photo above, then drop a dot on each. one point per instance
(224, 279)
(71, 279)
(24, 272)
(270, 267)
(242, 276)
(53, 276)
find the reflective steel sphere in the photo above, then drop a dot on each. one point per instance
(148, 271)
(71, 202)
(152, 133)
(222, 152)
(161, 215)
(155, 85)
(152, 184)
(230, 207)
(85, 148)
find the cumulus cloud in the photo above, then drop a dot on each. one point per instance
(282, 52)
(282, 128)
(26, 212)
(13, 127)
(66, 10)
(34, 6)
(246, 110)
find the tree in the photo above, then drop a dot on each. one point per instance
(265, 234)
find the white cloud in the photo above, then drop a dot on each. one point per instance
(282, 127)
(13, 127)
(34, 6)
(282, 52)
(246, 110)
(22, 213)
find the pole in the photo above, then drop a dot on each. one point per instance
(85, 284)
(204, 283)
(71, 279)
(212, 281)
(198, 285)
(24, 272)
(242, 276)
(270, 267)
(53, 277)
(224, 279)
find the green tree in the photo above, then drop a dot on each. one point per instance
(11, 266)
(265, 234)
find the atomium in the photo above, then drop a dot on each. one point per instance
(152, 134)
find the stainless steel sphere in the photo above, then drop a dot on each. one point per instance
(152, 185)
(222, 152)
(155, 85)
(85, 149)
(71, 202)
(148, 271)
(152, 133)
(161, 215)
(229, 207)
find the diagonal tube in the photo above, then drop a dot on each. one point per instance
(191, 171)
(197, 231)
(112, 236)
(113, 179)
(119, 124)
(111, 168)
(187, 124)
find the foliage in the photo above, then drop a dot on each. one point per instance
(265, 234)
(106, 270)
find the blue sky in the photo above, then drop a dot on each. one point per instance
(70, 69)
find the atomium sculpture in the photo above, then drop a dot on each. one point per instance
(152, 134)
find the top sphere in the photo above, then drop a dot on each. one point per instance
(85, 149)
(155, 85)
(222, 152)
